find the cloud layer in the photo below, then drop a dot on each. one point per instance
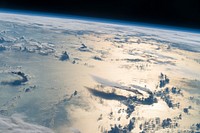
(15, 124)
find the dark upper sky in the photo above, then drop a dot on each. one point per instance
(182, 13)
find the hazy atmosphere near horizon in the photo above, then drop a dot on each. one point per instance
(72, 75)
(180, 13)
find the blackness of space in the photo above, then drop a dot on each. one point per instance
(181, 13)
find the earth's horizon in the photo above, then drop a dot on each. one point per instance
(77, 76)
